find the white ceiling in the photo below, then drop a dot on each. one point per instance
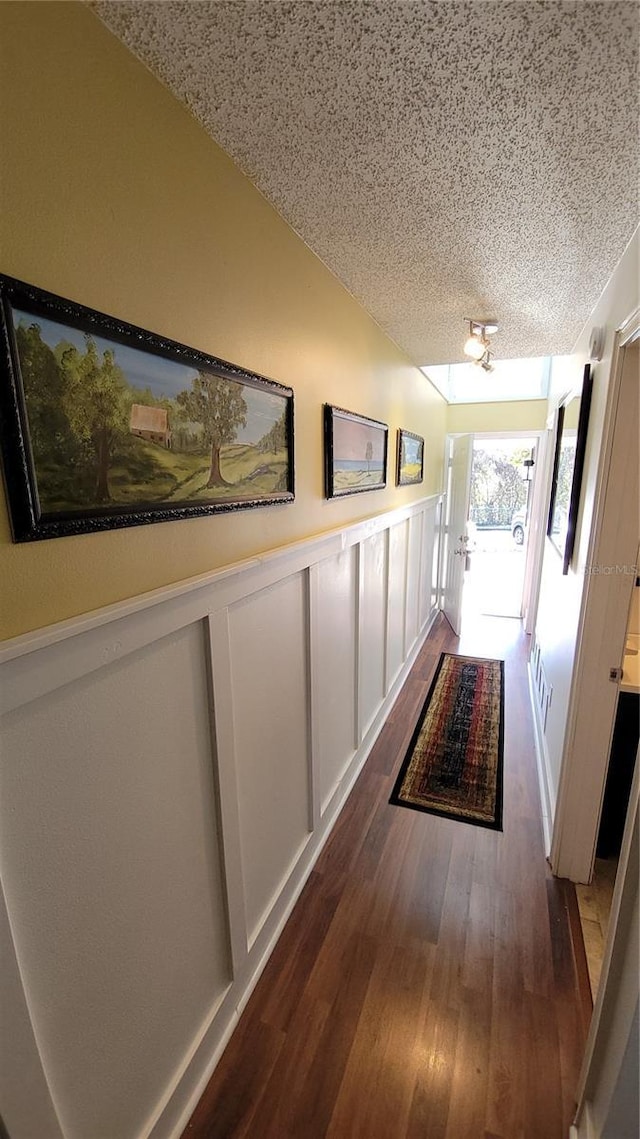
(444, 158)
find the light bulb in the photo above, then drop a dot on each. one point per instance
(474, 348)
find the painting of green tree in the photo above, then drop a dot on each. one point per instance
(112, 425)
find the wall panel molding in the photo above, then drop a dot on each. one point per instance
(289, 665)
(540, 698)
(225, 766)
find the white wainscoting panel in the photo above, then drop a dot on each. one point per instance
(540, 700)
(111, 871)
(333, 660)
(413, 580)
(27, 1107)
(434, 512)
(373, 626)
(171, 767)
(397, 599)
(268, 648)
(426, 568)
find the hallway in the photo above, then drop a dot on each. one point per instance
(425, 984)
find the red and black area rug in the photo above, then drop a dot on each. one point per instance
(454, 763)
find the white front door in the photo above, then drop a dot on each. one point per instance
(460, 455)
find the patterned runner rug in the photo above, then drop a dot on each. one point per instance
(454, 763)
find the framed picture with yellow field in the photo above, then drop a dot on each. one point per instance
(409, 458)
(104, 424)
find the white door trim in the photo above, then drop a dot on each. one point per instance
(577, 815)
(615, 1003)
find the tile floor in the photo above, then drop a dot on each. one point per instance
(594, 904)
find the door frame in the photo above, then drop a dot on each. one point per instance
(617, 994)
(581, 786)
(537, 516)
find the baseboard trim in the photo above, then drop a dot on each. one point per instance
(579, 956)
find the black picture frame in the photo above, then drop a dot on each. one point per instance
(62, 405)
(572, 425)
(355, 452)
(409, 447)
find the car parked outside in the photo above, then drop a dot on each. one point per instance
(519, 526)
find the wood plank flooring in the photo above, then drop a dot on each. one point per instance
(425, 985)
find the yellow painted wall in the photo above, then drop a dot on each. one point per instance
(520, 415)
(113, 196)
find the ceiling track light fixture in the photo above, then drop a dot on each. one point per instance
(477, 345)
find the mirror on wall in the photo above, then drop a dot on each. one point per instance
(571, 441)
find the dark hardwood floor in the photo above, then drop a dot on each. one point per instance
(426, 985)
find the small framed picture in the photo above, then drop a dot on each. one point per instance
(410, 458)
(355, 450)
(103, 424)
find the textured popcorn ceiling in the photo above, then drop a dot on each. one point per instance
(444, 159)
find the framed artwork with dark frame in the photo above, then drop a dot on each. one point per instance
(568, 464)
(106, 425)
(355, 452)
(409, 458)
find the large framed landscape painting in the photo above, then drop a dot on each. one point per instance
(106, 425)
(355, 450)
(410, 458)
